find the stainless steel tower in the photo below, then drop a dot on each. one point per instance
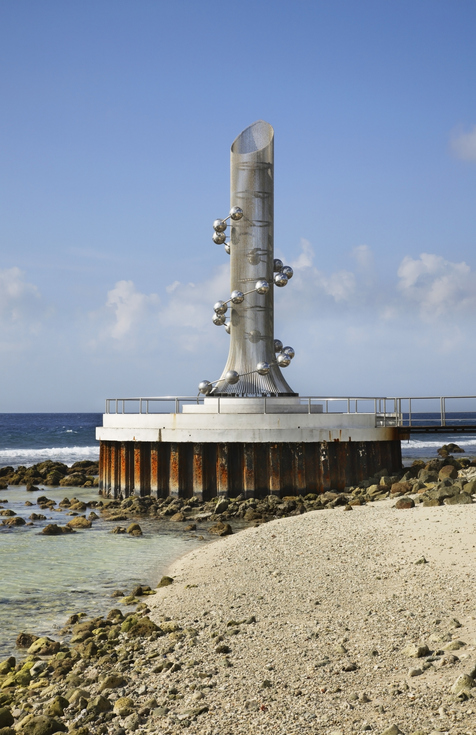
(255, 357)
(235, 440)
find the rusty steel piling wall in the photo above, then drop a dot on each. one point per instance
(231, 468)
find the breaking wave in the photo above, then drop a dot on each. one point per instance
(68, 455)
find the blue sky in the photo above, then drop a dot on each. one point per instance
(115, 127)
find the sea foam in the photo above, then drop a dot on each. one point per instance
(68, 455)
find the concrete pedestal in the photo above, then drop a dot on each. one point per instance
(205, 453)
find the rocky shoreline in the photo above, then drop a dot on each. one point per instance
(304, 622)
(51, 474)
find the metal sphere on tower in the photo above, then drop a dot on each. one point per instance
(227, 248)
(262, 368)
(220, 307)
(219, 225)
(205, 387)
(237, 297)
(262, 286)
(278, 345)
(254, 336)
(236, 213)
(232, 377)
(219, 319)
(283, 360)
(228, 327)
(289, 351)
(219, 238)
(288, 271)
(277, 265)
(280, 279)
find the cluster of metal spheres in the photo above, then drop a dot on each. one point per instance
(220, 225)
(232, 377)
(281, 276)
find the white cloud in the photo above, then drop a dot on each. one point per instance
(436, 285)
(306, 256)
(129, 307)
(314, 285)
(463, 145)
(18, 298)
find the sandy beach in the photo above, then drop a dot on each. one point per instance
(328, 622)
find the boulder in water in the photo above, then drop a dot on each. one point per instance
(79, 522)
(52, 529)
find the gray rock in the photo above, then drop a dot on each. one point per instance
(6, 717)
(459, 499)
(221, 506)
(470, 487)
(462, 684)
(42, 725)
(132, 722)
(416, 651)
(454, 645)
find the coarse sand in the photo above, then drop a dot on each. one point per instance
(307, 625)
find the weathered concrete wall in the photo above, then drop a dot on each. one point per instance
(230, 468)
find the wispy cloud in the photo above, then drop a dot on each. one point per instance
(437, 286)
(129, 307)
(18, 298)
(463, 144)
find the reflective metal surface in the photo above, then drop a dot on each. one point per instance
(252, 261)
(232, 377)
(237, 297)
(205, 387)
(219, 238)
(283, 359)
(220, 307)
(280, 279)
(219, 319)
(236, 213)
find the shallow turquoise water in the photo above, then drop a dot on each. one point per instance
(44, 579)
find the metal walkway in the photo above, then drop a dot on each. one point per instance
(411, 415)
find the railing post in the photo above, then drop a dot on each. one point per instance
(442, 411)
(265, 404)
(218, 406)
(409, 412)
(176, 404)
(348, 405)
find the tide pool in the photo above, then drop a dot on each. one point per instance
(44, 579)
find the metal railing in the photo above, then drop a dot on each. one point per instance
(409, 412)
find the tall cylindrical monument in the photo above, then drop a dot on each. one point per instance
(254, 271)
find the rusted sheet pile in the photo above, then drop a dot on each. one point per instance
(229, 469)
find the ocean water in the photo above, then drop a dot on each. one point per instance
(29, 438)
(425, 446)
(44, 579)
